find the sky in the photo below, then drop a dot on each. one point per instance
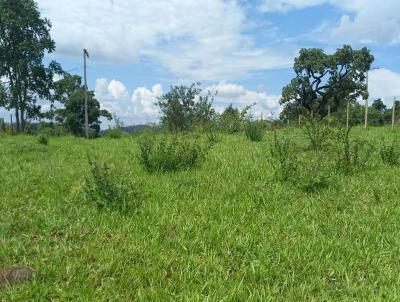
(242, 49)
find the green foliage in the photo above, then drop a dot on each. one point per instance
(182, 112)
(390, 154)
(232, 120)
(284, 159)
(109, 189)
(70, 93)
(116, 132)
(323, 80)
(317, 133)
(353, 154)
(24, 42)
(43, 139)
(255, 131)
(161, 154)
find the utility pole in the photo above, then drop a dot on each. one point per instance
(12, 126)
(329, 115)
(86, 55)
(366, 100)
(393, 112)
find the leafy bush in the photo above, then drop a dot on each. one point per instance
(43, 139)
(255, 131)
(390, 154)
(309, 173)
(167, 154)
(114, 133)
(285, 159)
(317, 133)
(107, 190)
(51, 131)
(354, 154)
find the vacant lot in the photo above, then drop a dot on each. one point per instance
(228, 229)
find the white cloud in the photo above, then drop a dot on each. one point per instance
(287, 5)
(227, 93)
(363, 21)
(135, 108)
(139, 107)
(385, 84)
(197, 39)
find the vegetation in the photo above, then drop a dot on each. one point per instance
(184, 108)
(324, 80)
(24, 41)
(161, 154)
(227, 229)
(255, 130)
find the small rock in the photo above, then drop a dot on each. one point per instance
(14, 275)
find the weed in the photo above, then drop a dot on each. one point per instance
(107, 190)
(255, 131)
(285, 159)
(390, 154)
(43, 139)
(171, 154)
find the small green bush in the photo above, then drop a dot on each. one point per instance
(108, 190)
(317, 133)
(115, 133)
(390, 154)
(354, 154)
(285, 159)
(255, 131)
(43, 139)
(165, 154)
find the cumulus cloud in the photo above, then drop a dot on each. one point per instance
(197, 39)
(384, 84)
(363, 21)
(135, 108)
(228, 93)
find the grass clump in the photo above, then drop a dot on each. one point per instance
(43, 139)
(108, 190)
(167, 154)
(255, 131)
(390, 154)
(353, 154)
(284, 159)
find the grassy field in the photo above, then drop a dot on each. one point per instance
(224, 231)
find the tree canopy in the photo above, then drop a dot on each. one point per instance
(24, 40)
(327, 79)
(69, 91)
(183, 107)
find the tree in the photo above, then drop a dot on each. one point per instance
(323, 79)
(24, 40)
(231, 120)
(183, 107)
(379, 105)
(70, 93)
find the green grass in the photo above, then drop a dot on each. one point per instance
(224, 231)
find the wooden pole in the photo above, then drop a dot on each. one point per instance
(366, 106)
(12, 126)
(348, 115)
(329, 115)
(299, 119)
(85, 54)
(393, 112)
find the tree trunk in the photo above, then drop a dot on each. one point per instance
(17, 122)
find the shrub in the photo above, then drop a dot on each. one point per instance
(390, 154)
(107, 190)
(114, 133)
(354, 154)
(167, 154)
(43, 139)
(255, 131)
(317, 133)
(285, 159)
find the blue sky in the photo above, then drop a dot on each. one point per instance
(243, 49)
